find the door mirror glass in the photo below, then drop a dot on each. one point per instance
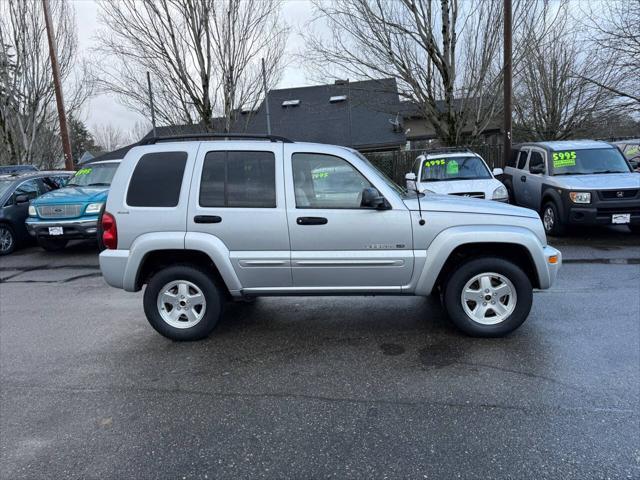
(410, 176)
(497, 172)
(21, 199)
(371, 198)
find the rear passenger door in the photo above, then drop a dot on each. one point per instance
(237, 196)
(520, 177)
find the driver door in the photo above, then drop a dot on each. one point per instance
(336, 243)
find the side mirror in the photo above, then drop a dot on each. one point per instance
(536, 169)
(371, 198)
(410, 176)
(497, 172)
(21, 199)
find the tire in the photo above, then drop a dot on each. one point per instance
(551, 220)
(7, 239)
(188, 322)
(52, 244)
(500, 273)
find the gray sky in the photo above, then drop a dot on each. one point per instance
(105, 109)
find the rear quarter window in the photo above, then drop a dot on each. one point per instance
(157, 180)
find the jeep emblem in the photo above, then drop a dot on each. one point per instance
(619, 194)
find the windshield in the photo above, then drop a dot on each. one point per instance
(397, 188)
(453, 168)
(99, 175)
(4, 186)
(582, 162)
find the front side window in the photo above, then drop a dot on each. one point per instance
(157, 180)
(588, 161)
(28, 188)
(98, 175)
(238, 179)
(326, 181)
(453, 168)
(536, 160)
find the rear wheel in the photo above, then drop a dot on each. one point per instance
(52, 244)
(183, 303)
(551, 220)
(488, 297)
(7, 240)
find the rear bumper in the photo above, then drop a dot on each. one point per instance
(113, 265)
(79, 228)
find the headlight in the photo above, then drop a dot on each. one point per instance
(580, 197)
(32, 211)
(500, 193)
(94, 207)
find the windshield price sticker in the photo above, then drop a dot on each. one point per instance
(564, 159)
(433, 163)
(83, 171)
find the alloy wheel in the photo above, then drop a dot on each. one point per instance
(181, 304)
(489, 298)
(6, 240)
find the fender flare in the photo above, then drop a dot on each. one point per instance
(210, 245)
(448, 240)
(550, 194)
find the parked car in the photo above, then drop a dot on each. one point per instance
(631, 150)
(578, 182)
(72, 212)
(9, 169)
(16, 191)
(200, 222)
(456, 172)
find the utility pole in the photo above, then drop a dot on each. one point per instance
(266, 98)
(153, 111)
(64, 131)
(508, 80)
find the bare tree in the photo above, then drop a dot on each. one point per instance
(554, 96)
(28, 123)
(108, 136)
(615, 32)
(444, 54)
(204, 56)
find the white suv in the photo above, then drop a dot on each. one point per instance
(463, 173)
(203, 222)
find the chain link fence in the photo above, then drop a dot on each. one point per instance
(397, 163)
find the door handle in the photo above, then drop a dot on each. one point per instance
(523, 178)
(311, 221)
(207, 219)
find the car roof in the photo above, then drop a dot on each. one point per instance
(569, 144)
(34, 174)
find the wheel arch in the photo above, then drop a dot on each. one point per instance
(449, 248)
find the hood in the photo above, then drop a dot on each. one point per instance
(486, 185)
(600, 181)
(446, 203)
(73, 195)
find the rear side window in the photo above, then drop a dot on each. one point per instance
(157, 180)
(238, 179)
(522, 159)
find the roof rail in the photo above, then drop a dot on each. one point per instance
(213, 136)
(432, 151)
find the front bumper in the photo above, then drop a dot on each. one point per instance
(600, 211)
(76, 229)
(552, 268)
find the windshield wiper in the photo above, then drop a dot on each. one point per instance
(72, 185)
(608, 171)
(99, 184)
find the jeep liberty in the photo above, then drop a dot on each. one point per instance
(201, 220)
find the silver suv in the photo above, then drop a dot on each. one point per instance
(203, 221)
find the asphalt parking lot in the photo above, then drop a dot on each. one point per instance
(338, 387)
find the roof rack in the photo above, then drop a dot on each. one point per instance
(447, 150)
(213, 136)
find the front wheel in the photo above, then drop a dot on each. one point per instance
(488, 297)
(551, 220)
(52, 244)
(183, 303)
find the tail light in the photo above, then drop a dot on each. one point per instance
(109, 231)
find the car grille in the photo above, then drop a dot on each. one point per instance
(470, 194)
(617, 194)
(59, 211)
